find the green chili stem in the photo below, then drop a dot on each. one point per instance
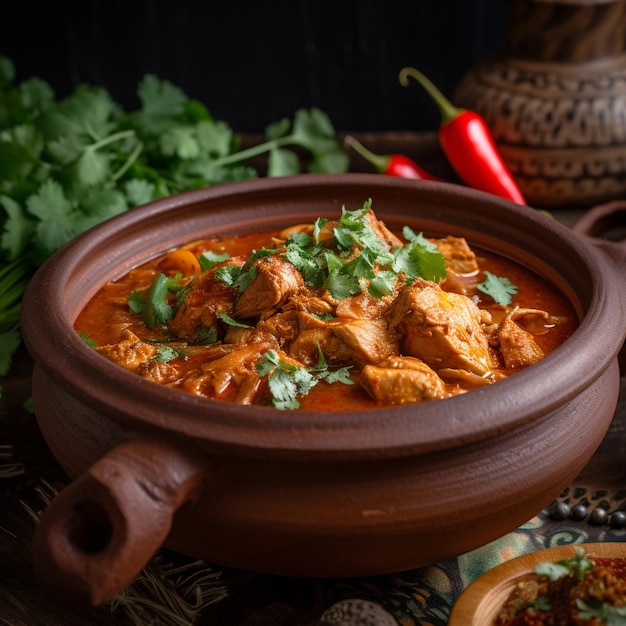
(447, 109)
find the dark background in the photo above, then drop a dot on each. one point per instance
(252, 63)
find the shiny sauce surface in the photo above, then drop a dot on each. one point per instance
(108, 311)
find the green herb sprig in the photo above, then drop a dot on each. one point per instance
(68, 164)
(287, 381)
(500, 288)
(358, 260)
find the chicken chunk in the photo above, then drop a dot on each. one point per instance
(345, 342)
(206, 298)
(233, 375)
(462, 271)
(130, 352)
(363, 306)
(443, 329)
(517, 346)
(274, 282)
(370, 341)
(402, 380)
(459, 257)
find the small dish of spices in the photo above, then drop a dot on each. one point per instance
(581, 584)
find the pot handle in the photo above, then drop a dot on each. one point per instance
(604, 225)
(98, 533)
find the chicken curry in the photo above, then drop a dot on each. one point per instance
(339, 314)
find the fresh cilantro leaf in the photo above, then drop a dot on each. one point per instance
(206, 335)
(235, 276)
(227, 319)
(282, 162)
(601, 611)
(7, 72)
(10, 340)
(552, 571)
(541, 603)
(139, 191)
(36, 95)
(153, 305)
(341, 375)
(210, 258)
(167, 353)
(341, 285)
(300, 238)
(93, 167)
(180, 141)
(90, 342)
(499, 288)
(160, 97)
(278, 129)
(313, 131)
(287, 381)
(576, 566)
(17, 230)
(214, 138)
(382, 284)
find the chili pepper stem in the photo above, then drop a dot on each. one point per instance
(447, 109)
(379, 161)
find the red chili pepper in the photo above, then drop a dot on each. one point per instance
(469, 145)
(391, 164)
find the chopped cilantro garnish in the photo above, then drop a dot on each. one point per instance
(167, 353)
(237, 277)
(206, 335)
(358, 260)
(209, 259)
(153, 305)
(232, 322)
(288, 381)
(498, 287)
(603, 612)
(577, 566)
(90, 342)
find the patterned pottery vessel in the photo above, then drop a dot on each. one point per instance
(555, 100)
(339, 494)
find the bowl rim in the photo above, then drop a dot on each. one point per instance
(471, 417)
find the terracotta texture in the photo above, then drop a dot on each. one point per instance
(306, 493)
(555, 100)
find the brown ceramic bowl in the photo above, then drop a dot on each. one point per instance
(308, 493)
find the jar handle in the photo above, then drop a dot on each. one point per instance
(98, 533)
(604, 225)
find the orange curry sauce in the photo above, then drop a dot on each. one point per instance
(108, 311)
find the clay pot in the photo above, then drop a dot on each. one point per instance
(308, 493)
(555, 100)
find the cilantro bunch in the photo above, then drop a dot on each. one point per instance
(67, 165)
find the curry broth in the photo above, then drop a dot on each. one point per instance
(108, 311)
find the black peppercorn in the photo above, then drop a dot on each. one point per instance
(579, 512)
(560, 510)
(618, 519)
(598, 516)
